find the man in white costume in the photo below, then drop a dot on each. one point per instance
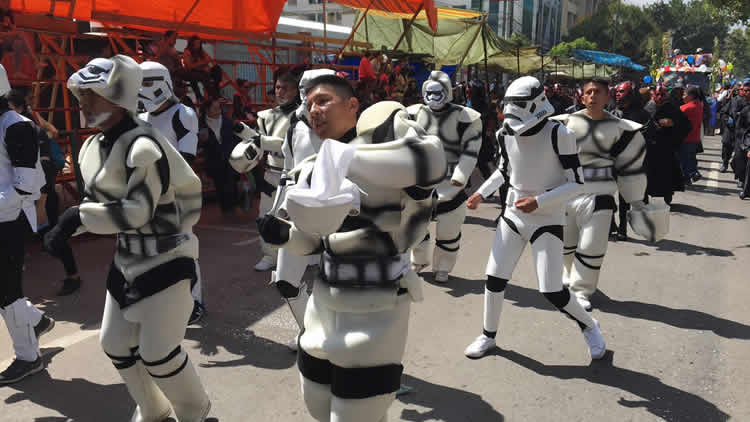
(21, 178)
(357, 318)
(179, 124)
(460, 130)
(299, 143)
(612, 153)
(544, 175)
(273, 125)
(138, 187)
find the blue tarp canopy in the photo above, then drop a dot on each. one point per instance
(609, 59)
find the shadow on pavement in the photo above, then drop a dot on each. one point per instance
(253, 350)
(687, 319)
(479, 221)
(697, 212)
(683, 247)
(456, 286)
(715, 191)
(443, 403)
(664, 401)
(94, 401)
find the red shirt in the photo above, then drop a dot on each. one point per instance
(694, 112)
(365, 70)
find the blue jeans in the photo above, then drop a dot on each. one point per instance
(688, 159)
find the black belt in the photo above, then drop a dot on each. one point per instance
(361, 271)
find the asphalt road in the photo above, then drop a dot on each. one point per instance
(674, 315)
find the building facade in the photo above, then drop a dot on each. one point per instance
(574, 11)
(312, 10)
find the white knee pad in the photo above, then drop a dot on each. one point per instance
(421, 254)
(20, 318)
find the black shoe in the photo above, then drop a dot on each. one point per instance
(19, 370)
(70, 286)
(198, 312)
(724, 168)
(622, 236)
(697, 176)
(46, 324)
(742, 195)
(740, 184)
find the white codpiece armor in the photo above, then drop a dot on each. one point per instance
(612, 153)
(357, 318)
(138, 187)
(460, 131)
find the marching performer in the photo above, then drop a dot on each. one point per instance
(179, 124)
(460, 130)
(138, 187)
(607, 147)
(300, 142)
(21, 178)
(544, 175)
(357, 318)
(273, 124)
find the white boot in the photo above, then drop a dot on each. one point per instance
(20, 318)
(183, 389)
(479, 347)
(595, 341)
(265, 264)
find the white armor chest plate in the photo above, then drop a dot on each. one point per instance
(595, 139)
(525, 153)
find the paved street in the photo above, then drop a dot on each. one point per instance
(674, 315)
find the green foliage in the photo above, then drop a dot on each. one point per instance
(565, 49)
(694, 24)
(631, 31)
(737, 51)
(519, 41)
(736, 10)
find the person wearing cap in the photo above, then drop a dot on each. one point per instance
(741, 161)
(139, 188)
(21, 180)
(460, 130)
(693, 109)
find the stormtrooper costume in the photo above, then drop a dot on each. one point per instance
(177, 122)
(543, 165)
(299, 143)
(21, 178)
(273, 125)
(460, 130)
(607, 148)
(139, 187)
(357, 319)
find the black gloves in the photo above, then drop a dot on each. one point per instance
(57, 238)
(273, 230)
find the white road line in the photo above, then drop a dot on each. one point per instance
(226, 229)
(247, 242)
(714, 176)
(63, 342)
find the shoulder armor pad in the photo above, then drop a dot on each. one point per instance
(469, 115)
(629, 125)
(143, 152)
(414, 109)
(265, 114)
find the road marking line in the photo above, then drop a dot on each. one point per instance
(226, 229)
(63, 342)
(714, 176)
(247, 242)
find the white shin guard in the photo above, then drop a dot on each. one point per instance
(493, 307)
(197, 290)
(295, 296)
(151, 405)
(176, 377)
(448, 239)
(20, 318)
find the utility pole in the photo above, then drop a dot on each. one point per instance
(614, 25)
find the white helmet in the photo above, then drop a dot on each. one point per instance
(4, 83)
(650, 221)
(159, 89)
(304, 82)
(117, 79)
(437, 90)
(525, 105)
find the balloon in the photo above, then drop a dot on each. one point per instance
(667, 69)
(722, 63)
(730, 66)
(647, 79)
(666, 62)
(691, 59)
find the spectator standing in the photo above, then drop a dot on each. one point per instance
(198, 68)
(693, 109)
(741, 162)
(217, 138)
(166, 53)
(242, 108)
(48, 149)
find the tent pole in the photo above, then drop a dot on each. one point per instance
(486, 70)
(408, 27)
(466, 53)
(518, 59)
(354, 30)
(325, 33)
(542, 56)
